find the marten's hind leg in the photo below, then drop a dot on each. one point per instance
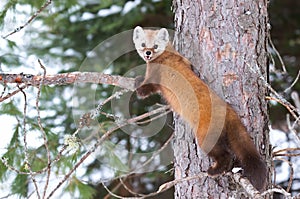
(223, 158)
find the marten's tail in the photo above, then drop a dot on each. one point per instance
(243, 147)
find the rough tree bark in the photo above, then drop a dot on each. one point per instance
(226, 42)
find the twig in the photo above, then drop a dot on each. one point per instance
(286, 149)
(29, 20)
(42, 129)
(56, 159)
(292, 130)
(277, 190)
(277, 53)
(7, 196)
(154, 154)
(128, 189)
(154, 118)
(291, 173)
(145, 115)
(98, 110)
(295, 98)
(281, 152)
(26, 152)
(291, 170)
(289, 155)
(2, 93)
(143, 165)
(277, 97)
(114, 195)
(295, 81)
(162, 187)
(96, 145)
(286, 104)
(12, 93)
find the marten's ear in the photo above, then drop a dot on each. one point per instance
(163, 35)
(138, 33)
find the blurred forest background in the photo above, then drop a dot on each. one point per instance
(61, 36)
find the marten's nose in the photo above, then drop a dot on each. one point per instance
(148, 52)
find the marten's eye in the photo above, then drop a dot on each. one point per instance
(155, 46)
(143, 45)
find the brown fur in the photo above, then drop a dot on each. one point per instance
(218, 128)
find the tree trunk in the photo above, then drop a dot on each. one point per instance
(226, 42)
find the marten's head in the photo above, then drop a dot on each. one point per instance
(150, 43)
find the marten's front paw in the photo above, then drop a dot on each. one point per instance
(142, 92)
(216, 170)
(138, 81)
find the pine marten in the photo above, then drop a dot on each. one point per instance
(217, 126)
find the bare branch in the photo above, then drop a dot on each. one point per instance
(43, 131)
(293, 84)
(5, 87)
(277, 97)
(280, 152)
(291, 173)
(46, 4)
(278, 190)
(27, 164)
(128, 189)
(286, 104)
(68, 78)
(162, 188)
(292, 130)
(12, 93)
(277, 53)
(295, 98)
(248, 187)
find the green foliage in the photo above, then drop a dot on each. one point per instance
(113, 158)
(85, 190)
(10, 109)
(12, 155)
(19, 185)
(9, 5)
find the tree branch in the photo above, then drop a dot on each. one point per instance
(45, 5)
(68, 78)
